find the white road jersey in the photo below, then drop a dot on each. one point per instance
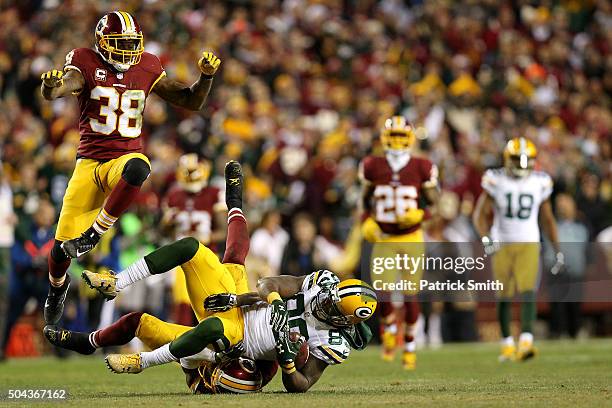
(324, 341)
(517, 204)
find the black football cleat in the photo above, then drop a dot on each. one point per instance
(69, 340)
(77, 247)
(233, 184)
(54, 306)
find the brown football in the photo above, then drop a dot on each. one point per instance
(302, 357)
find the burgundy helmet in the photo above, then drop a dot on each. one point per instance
(237, 376)
(119, 40)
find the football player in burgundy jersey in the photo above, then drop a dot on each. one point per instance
(111, 81)
(393, 188)
(191, 208)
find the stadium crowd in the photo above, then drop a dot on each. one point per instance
(302, 90)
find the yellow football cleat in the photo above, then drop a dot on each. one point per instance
(124, 363)
(508, 353)
(104, 282)
(389, 342)
(409, 360)
(526, 350)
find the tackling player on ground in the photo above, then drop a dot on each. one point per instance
(516, 197)
(394, 188)
(111, 82)
(324, 312)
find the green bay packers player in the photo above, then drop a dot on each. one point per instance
(516, 198)
(326, 313)
(398, 190)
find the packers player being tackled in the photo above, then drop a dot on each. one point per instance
(517, 200)
(316, 309)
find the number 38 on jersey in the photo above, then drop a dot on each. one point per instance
(118, 111)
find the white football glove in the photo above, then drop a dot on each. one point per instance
(559, 263)
(490, 246)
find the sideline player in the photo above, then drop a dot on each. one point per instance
(111, 82)
(394, 187)
(516, 197)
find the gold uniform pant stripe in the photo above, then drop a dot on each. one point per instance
(128, 23)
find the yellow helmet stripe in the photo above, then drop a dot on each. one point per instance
(245, 387)
(122, 19)
(132, 23)
(128, 21)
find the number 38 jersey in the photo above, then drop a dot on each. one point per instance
(324, 341)
(397, 187)
(111, 103)
(517, 204)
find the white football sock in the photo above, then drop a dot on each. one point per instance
(158, 356)
(526, 338)
(508, 341)
(194, 361)
(133, 273)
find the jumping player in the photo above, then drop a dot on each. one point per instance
(111, 81)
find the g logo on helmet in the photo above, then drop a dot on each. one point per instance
(363, 312)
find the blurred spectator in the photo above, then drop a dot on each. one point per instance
(7, 239)
(591, 204)
(299, 257)
(565, 312)
(267, 246)
(29, 256)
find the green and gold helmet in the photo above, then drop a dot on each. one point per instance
(346, 303)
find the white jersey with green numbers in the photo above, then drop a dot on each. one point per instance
(517, 204)
(324, 341)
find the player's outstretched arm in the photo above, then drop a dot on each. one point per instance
(190, 97)
(57, 83)
(302, 380)
(285, 285)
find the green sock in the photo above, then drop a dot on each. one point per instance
(528, 312)
(504, 315)
(170, 256)
(208, 332)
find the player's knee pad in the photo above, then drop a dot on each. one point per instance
(57, 253)
(136, 171)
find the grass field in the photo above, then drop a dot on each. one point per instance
(565, 374)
